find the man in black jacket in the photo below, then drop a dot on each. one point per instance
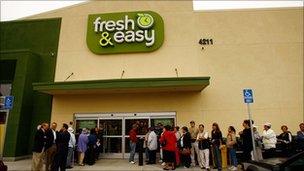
(51, 146)
(247, 140)
(62, 143)
(39, 147)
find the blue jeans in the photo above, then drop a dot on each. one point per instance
(217, 157)
(132, 151)
(232, 155)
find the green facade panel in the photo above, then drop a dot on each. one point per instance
(32, 45)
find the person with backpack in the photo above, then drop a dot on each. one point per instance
(231, 145)
(203, 146)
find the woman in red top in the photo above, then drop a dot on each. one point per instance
(133, 141)
(168, 141)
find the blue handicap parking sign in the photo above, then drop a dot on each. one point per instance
(8, 102)
(248, 95)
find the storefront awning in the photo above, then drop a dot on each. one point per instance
(142, 85)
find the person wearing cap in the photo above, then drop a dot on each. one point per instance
(193, 130)
(269, 141)
(82, 145)
(285, 139)
(72, 143)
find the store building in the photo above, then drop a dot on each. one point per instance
(113, 63)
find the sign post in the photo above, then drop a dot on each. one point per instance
(8, 102)
(248, 98)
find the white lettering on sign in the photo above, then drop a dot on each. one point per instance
(124, 30)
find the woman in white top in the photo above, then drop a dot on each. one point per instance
(269, 140)
(202, 138)
(152, 146)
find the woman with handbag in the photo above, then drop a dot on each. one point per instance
(168, 142)
(185, 146)
(216, 141)
(203, 146)
(231, 145)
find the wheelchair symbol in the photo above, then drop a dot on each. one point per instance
(248, 94)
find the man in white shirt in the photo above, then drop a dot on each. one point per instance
(72, 143)
(269, 141)
(152, 146)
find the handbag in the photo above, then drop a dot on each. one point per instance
(164, 143)
(204, 144)
(185, 151)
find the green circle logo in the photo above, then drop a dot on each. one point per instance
(145, 21)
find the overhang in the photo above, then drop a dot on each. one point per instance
(136, 85)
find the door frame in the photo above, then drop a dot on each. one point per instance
(113, 155)
(123, 116)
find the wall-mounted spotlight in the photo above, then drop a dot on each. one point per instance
(69, 76)
(122, 74)
(176, 72)
(52, 54)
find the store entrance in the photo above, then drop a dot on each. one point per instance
(115, 128)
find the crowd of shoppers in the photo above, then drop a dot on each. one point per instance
(194, 146)
(189, 146)
(56, 148)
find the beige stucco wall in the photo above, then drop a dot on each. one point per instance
(261, 49)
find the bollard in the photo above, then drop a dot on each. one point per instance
(140, 152)
(224, 156)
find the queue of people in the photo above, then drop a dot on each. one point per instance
(195, 146)
(187, 147)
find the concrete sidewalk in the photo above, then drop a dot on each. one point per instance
(102, 164)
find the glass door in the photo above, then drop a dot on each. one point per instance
(115, 129)
(112, 137)
(143, 124)
(88, 123)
